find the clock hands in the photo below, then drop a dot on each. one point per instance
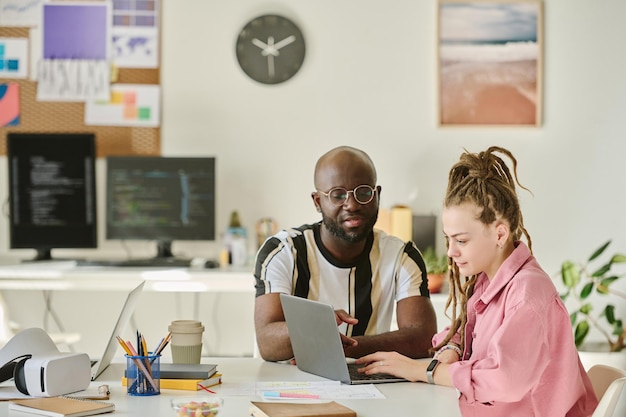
(289, 39)
(259, 43)
(270, 50)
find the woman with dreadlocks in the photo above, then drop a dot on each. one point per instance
(509, 349)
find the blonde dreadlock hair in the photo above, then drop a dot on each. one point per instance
(484, 180)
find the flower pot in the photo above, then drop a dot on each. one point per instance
(435, 282)
(593, 353)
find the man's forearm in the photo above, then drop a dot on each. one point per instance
(273, 342)
(411, 341)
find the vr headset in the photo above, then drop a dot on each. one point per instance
(39, 369)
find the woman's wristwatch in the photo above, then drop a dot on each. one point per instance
(430, 371)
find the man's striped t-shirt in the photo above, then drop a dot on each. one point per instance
(295, 262)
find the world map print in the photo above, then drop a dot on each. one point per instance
(135, 50)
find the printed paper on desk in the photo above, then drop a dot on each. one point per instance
(326, 390)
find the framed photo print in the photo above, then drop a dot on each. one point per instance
(490, 62)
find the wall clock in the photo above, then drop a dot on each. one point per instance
(270, 49)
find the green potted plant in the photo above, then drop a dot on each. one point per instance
(582, 281)
(436, 268)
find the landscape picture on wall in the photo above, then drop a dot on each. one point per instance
(490, 62)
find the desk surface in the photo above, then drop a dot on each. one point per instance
(401, 399)
(61, 275)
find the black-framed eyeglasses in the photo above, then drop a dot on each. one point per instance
(363, 194)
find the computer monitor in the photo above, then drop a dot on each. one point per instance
(52, 195)
(161, 199)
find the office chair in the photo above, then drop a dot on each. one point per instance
(608, 383)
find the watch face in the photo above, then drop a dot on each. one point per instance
(270, 49)
(432, 365)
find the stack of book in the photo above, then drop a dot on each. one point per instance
(192, 377)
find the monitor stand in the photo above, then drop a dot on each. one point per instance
(164, 249)
(45, 255)
(164, 258)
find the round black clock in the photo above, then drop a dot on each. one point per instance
(270, 49)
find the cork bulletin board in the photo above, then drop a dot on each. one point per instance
(69, 117)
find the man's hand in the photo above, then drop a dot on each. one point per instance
(342, 317)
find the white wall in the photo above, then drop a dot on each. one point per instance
(369, 80)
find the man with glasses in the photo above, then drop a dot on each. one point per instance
(343, 261)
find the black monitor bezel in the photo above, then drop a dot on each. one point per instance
(53, 237)
(151, 234)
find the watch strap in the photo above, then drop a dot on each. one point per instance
(430, 371)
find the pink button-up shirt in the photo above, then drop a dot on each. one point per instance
(519, 356)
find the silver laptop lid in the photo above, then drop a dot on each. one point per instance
(314, 338)
(120, 327)
(317, 345)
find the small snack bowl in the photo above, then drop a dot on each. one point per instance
(200, 406)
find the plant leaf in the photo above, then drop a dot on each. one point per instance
(609, 313)
(586, 308)
(599, 251)
(572, 317)
(618, 258)
(602, 270)
(570, 274)
(618, 328)
(603, 286)
(582, 329)
(587, 289)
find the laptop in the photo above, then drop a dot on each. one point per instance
(317, 345)
(100, 365)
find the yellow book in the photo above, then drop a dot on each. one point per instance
(187, 384)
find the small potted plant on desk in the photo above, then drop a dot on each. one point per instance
(436, 268)
(583, 281)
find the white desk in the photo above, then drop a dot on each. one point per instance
(60, 275)
(216, 297)
(404, 399)
(169, 293)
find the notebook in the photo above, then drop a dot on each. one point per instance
(100, 365)
(61, 406)
(317, 345)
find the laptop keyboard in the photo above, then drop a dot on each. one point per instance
(355, 375)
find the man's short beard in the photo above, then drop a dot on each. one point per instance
(350, 237)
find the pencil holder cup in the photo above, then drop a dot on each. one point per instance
(143, 375)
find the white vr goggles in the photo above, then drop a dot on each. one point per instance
(39, 369)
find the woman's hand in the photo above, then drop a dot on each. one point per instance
(395, 364)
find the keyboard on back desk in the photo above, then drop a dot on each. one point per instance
(139, 263)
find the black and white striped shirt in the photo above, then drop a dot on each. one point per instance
(295, 262)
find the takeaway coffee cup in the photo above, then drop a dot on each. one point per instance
(186, 343)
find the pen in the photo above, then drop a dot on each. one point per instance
(157, 349)
(283, 394)
(123, 345)
(162, 345)
(144, 346)
(144, 352)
